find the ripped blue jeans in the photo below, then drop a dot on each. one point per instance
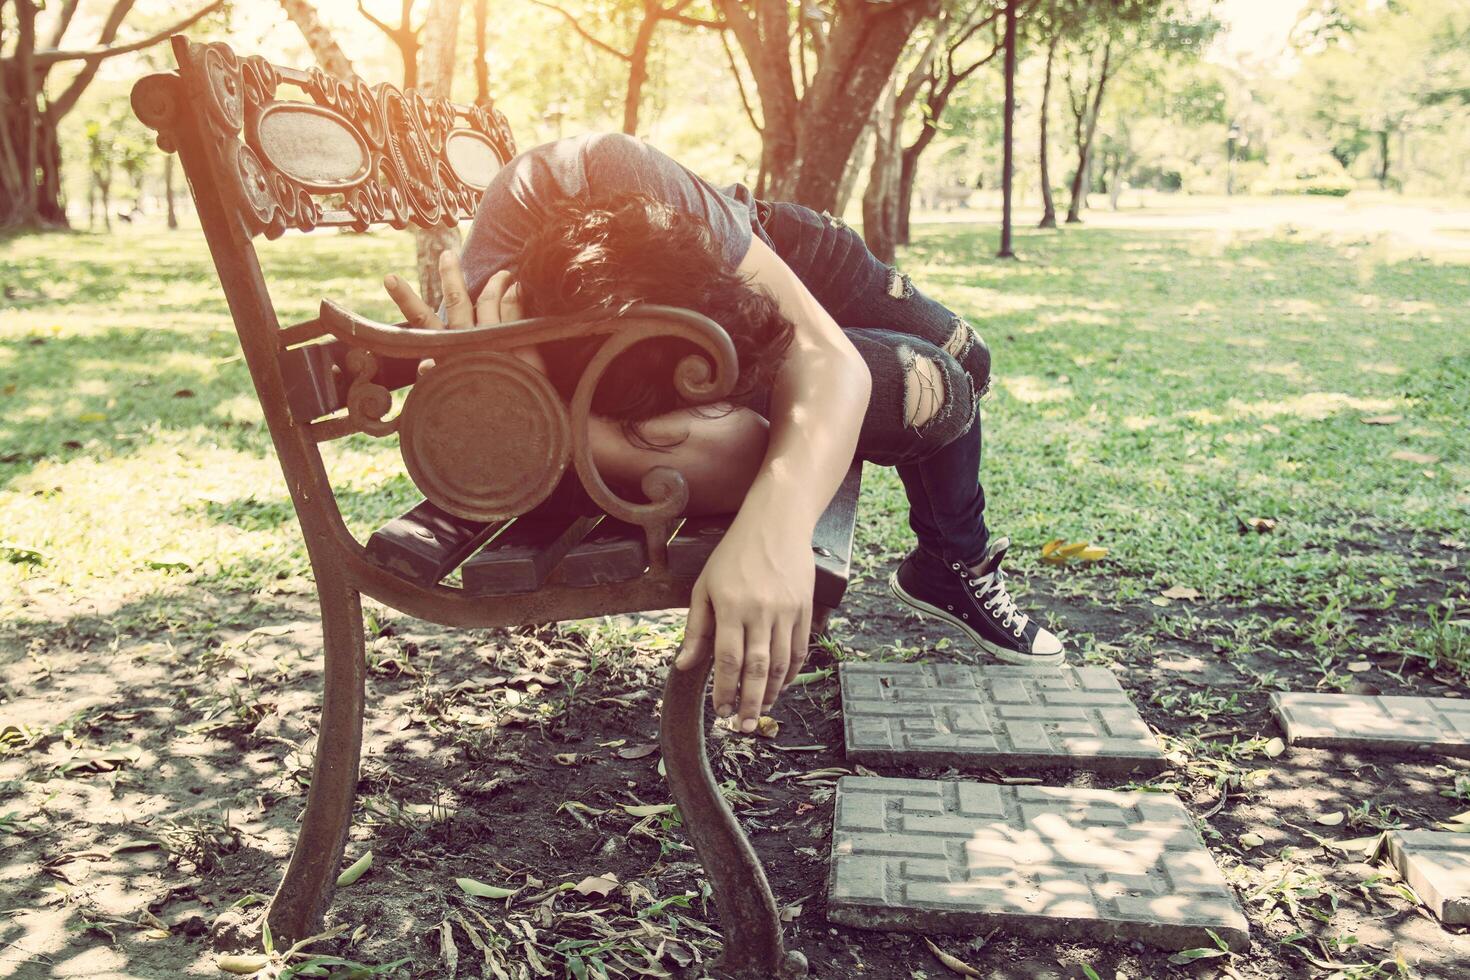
(929, 369)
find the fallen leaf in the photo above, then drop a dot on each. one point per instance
(566, 758)
(1180, 592)
(355, 870)
(1051, 546)
(92, 417)
(649, 810)
(791, 913)
(184, 393)
(1261, 525)
(1330, 819)
(244, 965)
(638, 751)
(599, 885)
(1250, 840)
(954, 964)
(479, 889)
(1092, 552)
(1358, 666)
(1381, 419)
(1200, 953)
(1274, 748)
(1159, 600)
(767, 727)
(1409, 456)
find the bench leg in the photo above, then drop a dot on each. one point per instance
(305, 892)
(749, 918)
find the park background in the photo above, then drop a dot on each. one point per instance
(1242, 370)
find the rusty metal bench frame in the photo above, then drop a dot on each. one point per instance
(352, 155)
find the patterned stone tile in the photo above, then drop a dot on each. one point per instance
(1360, 721)
(1436, 864)
(996, 716)
(922, 855)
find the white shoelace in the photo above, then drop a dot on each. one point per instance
(994, 586)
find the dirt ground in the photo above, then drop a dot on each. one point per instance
(151, 781)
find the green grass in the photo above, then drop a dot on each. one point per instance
(1153, 390)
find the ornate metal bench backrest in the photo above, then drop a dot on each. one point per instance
(377, 154)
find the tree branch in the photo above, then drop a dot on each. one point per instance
(45, 59)
(63, 21)
(380, 25)
(586, 35)
(739, 84)
(714, 25)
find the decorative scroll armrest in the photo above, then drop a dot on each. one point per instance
(519, 420)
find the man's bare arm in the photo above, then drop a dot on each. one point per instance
(753, 600)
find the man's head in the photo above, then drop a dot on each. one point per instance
(611, 253)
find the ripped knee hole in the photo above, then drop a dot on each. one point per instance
(924, 392)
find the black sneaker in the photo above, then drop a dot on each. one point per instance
(977, 603)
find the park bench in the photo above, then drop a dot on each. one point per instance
(484, 438)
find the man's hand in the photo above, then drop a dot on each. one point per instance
(499, 302)
(753, 603)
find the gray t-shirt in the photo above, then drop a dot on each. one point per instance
(522, 193)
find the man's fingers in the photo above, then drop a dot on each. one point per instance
(458, 311)
(753, 675)
(780, 663)
(729, 657)
(801, 639)
(414, 310)
(510, 304)
(697, 629)
(487, 307)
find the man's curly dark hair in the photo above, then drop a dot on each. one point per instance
(612, 252)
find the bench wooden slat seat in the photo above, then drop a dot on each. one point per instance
(483, 436)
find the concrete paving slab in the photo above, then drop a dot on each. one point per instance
(994, 716)
(921, 855)
(1360, 721)
(1436, 864)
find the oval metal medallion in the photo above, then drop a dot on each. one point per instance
(485, 436)
(316, 147)
(472, 157)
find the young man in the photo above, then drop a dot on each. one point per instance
(840, 356)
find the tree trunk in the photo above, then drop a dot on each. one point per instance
(1383, 159)
(1048, 206)
(441, 32)
(482, 57)
(324, 47)
(1008, 169)
(638, 66)
(168, 190)
(806, 142)
(1082, 178)
(880, 205)
(854, 167)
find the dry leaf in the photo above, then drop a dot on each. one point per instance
(1250, 840)
(1159, 600)
(638, 751)
(566, 758)
(1381, 419)
(1330, 819)
(767, 727)
(955, 965)
(1051, 546)
(1409, 456)
(599, 885)
(1180, 592)
(1358, 666)
(1261, 525)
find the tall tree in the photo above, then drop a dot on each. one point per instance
(405, 36)
(881, 200)
(1048, 206)
(945, 78)
(324, 48)
(649, 14)
(30, 150)
(1008, 147)
(816, 94)
(436, 79)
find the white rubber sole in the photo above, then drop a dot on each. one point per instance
(998, 652)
